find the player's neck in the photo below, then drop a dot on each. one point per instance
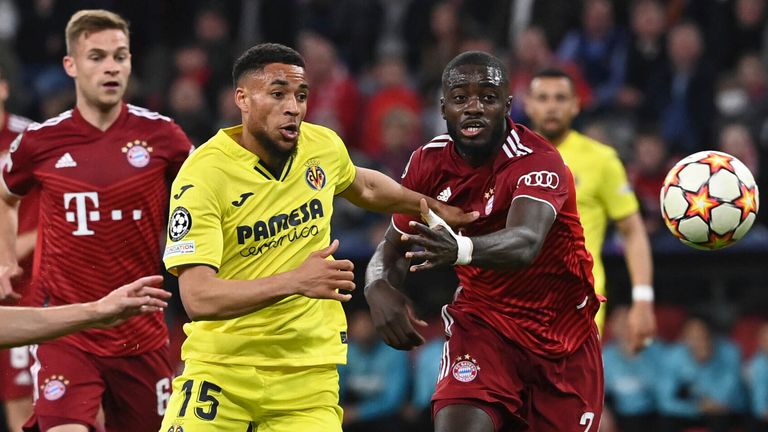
(273, 162)
(98, 118)
(2, 117)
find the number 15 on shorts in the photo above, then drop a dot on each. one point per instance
(206, 394)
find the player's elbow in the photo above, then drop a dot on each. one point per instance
(528, 251)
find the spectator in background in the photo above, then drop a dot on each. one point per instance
(532, 54)
(600, 50)
(682, 95)
(335, 101)
(392, 95)
(736, 140)
(699, 381)
(646, 55)
(374, 382)
(757, 380)
(228, 113)
(187, 105)
(630, 377)
(646, 172)
(212, 35)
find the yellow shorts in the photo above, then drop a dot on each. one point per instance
(212, 397)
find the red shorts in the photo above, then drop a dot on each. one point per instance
(70, 385)
(518, 389)
(15, 379)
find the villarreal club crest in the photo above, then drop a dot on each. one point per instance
(315, 175)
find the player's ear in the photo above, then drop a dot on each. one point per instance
(509, 103)
(442, 107)
(69, 66)
(241, 99)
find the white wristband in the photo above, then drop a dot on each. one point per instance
(464, 255)
(642, 293)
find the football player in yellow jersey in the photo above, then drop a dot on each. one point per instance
(249, 238)
(603, 193)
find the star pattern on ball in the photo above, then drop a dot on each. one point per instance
(700, 203)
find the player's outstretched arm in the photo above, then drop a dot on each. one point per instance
(375, 191)
(25, 325)
(391, 310)
(514, 247)
(9, 267)
(637, 253)
(208, 297)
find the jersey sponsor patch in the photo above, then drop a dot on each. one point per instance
(545, 179)
(465, 369)
(54, 387)
(180, 248)
(181, 223)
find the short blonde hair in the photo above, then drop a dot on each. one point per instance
(89, 21)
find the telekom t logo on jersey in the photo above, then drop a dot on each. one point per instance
(81, 201)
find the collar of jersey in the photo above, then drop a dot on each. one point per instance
(239, 153)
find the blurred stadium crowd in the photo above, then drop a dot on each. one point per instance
(658, 79)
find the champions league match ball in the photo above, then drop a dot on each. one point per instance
(709, 200)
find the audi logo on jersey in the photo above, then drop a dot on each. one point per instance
(82, 215)
(545, 179)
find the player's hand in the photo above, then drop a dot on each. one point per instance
(319, 277)
(641, 323)
(143, 295)
(8, 272)
(453, 216)
(392, 314)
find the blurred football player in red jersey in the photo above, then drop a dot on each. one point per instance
(15, 380)
(102, 170)
(522, 350)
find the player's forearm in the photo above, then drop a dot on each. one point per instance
(25, 244)
(389, 264)
(507, 249)
(209, 298)
(377, 192)
(25, 325)
(637, 250)
(8, 227)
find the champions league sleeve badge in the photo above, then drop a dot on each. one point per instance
(180, 224)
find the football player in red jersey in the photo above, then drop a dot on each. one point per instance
(102, 171)
(15, 380)
(522, 350)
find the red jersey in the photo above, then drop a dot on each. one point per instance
(103, 205)
(13, 125)
(549, 306)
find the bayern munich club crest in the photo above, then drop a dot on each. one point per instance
(137, 152)
(54, 387)
(181, 223)
(315, 176)
(465, 369)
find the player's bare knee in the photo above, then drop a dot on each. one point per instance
(463, 418)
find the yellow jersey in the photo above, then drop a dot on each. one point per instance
(229, 212)
(602, 192)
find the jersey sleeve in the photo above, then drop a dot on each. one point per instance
(18, 167)
(615, 191)
(543, 178)
(346, 169)
(180, 146)
(195, 235)
(410, 179)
